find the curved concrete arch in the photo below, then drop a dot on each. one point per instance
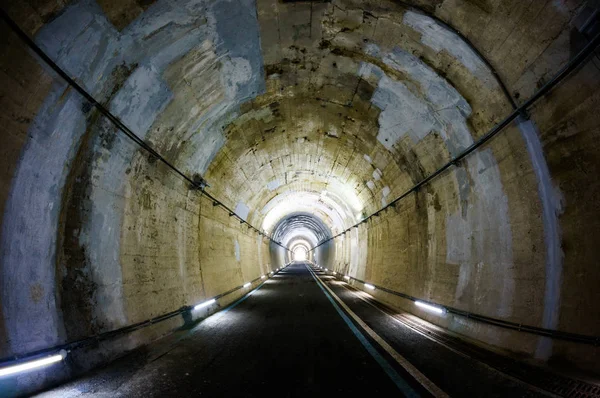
(303, 118)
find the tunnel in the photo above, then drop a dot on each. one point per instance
(294, 197)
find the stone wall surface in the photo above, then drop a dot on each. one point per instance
(96, 233)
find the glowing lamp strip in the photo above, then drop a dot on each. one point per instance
(429, 307)
(37, 363)
(205, 304)
(247, 284)
(369, 286)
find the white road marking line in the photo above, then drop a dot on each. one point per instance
(407, 324)
(403, 362)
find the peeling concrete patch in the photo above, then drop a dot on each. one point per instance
(273, 185)
(484, 218)
(143, 97)
(384, 194)
(377, 174)
(236, 42)
(402, 114)
(208, 140)
(427, 104)
(81, 40)
(242, 210)
(333, 133)
(28, 246)
(236, 72)
(439, 38)
(238, 32)
(552, 206)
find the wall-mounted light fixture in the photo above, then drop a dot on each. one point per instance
(33, 364)
(204, 304)
(429, 307)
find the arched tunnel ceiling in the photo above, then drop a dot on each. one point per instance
(362, 105)
(303, 226)
(274, 101)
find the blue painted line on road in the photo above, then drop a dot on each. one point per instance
(406, 389)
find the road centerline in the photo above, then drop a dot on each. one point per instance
(403, 362)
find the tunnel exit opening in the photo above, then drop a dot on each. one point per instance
(300, 253)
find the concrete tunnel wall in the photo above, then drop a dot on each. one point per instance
(337, 107)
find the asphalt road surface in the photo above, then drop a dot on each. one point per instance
(302, 333)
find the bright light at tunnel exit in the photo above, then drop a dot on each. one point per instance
(300, 253)
(38, 363)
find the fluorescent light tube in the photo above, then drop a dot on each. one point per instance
(429, 307)
(204, 304)
(36, 363)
